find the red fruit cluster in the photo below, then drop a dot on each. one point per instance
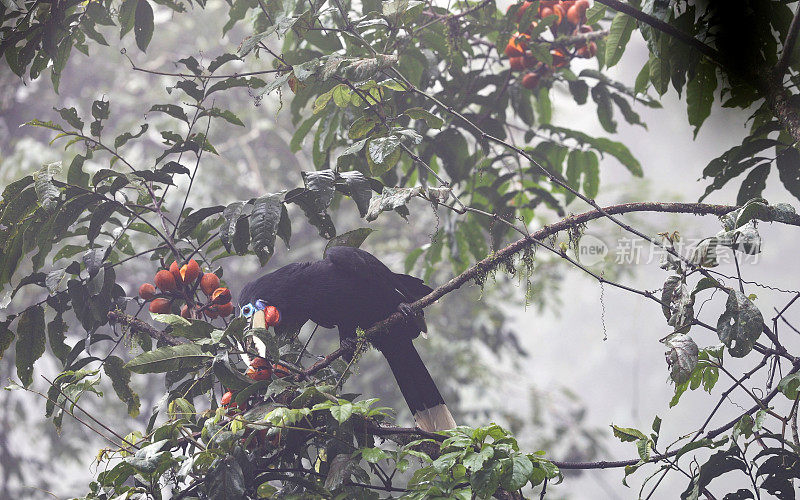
(261, 369)
(180, 283)
(570, 20)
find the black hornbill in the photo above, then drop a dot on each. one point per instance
(351, 288)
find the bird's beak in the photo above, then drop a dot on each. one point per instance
(259, 320)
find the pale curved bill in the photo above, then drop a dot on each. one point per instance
(259, 320)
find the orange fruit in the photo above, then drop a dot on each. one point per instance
(517, 44)
(259, 369)
(559, 58)
(221, 296)
(522, 9)
(190, 271)
(530, 81)
(208, 283)
(559, 12)
(280, 371)
(575, 15)
(160, 306)
(147, 291)
(224, 310)
(517, 63)
(165, 281)
(175, 269)
(226, 398)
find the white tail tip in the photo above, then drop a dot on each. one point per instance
(435, 419)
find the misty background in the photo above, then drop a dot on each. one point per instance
(565, 359)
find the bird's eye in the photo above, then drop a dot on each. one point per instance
(247, 310)
(261, 305)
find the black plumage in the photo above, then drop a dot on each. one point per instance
(351, 288)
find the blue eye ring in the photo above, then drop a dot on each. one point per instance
(261, 305)
(247, 310)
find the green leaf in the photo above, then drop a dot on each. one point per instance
(790, 385)
(231, 214)
(390, 199)
(627, 434)
(342, 412)
(521, 471)
(228, 376)
(717, 465)
(341, 95)
(700, 95)
(321, 102)
(182, 327)
(6, 337)
(579, 90)
(46, 191)
(754, 184)
(56, 334)
(120, 381)
(30, 342)
(740, 326)
(99, 14)
(126, 16)
(474, 461)
(361, 127)
(659, 73)
(168, 358)
(788, 163)
(70, 115)
(121, 139)
(143, 24)
(171, 109)
(264, 222)
(373, 455)
(352, 238)
(296, 144)
(358, 187)
(430, 119)
(605, 111)
(618, 37)
(682, 356)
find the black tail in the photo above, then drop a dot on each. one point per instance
(420, 392)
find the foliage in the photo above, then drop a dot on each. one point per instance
(397, 101)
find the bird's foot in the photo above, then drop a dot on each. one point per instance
(416, 317)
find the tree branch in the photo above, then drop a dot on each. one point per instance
(139, 326)
(670, 30)
(491, 262)
(788, 45)
(769, 83)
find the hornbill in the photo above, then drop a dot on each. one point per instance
(351, 288)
